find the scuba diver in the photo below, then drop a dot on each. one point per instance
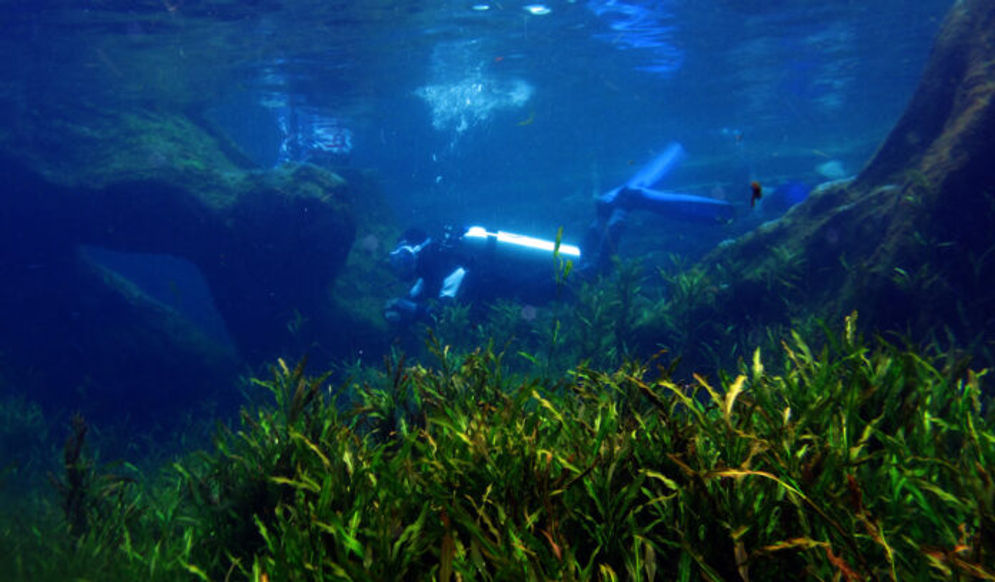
(464, 263)
(474, 263)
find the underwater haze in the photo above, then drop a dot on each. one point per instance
(497, 289)
(512, 115)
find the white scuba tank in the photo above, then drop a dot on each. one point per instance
(513, 251)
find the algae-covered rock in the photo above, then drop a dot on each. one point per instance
(268, 243)
(93, 148)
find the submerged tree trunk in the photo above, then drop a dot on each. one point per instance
(910, 243)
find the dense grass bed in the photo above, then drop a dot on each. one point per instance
(854, 462)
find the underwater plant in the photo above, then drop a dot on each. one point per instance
(851, 462)
(856, 460)
(600, 324)
(453, 323)
(783, 273)
(683, 319)
(23, 435)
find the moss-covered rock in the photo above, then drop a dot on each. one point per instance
(269, 243)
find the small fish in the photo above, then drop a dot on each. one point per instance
(757, 193)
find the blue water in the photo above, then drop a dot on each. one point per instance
(511, 114)
(604, 83)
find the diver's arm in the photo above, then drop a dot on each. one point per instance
(452, 284)
(414, 307)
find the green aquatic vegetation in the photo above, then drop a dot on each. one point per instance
(596, 325)
(23, 435)
(104, 526)
(627, 279)
(982, 269)
(93, 502)
(563, 266)
(850, 462)
(853, 460)
(551, 350)
(922, 282)
(783, 272)
(296, 324)
(594, 328)
(508, 323)
(453, 322)
(596, 312)
(916, 185)
(685, 314)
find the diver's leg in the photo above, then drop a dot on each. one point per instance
(646, 177)
(660, 166)
(676, 205)
(601, 241)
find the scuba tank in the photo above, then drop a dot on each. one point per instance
(514, 252)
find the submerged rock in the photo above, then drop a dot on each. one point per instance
(269, 243)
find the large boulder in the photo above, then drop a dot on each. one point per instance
(269, 244)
